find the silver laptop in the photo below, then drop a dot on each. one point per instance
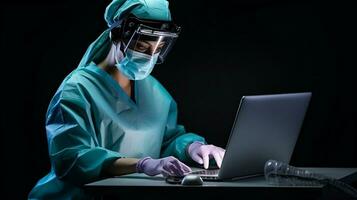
(266, 127)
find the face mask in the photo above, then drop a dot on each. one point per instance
(136, 65)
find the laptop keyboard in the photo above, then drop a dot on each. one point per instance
(206, 172)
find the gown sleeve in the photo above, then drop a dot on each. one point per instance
(176, 139)
(74, 150)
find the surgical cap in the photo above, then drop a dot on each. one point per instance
(117, 10)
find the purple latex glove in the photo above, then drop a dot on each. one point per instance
(201, 153)
(165, 166)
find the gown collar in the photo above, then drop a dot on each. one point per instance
(117, 90)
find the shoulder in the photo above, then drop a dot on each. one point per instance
(160, 90)
(72, 89)
(157, 86)
(74, 85)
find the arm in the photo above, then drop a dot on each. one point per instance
(122, 166)
(176, 140)
(178, 143)
(74, 149)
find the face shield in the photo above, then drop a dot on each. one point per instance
(152, 38)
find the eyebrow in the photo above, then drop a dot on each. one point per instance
(145, 42)
(149, 43)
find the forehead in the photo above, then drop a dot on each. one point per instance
(150, 38)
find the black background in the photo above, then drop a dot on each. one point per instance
(227, 49)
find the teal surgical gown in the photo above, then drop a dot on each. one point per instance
(91, 122)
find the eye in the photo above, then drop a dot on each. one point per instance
(159, 47)
(141, 46)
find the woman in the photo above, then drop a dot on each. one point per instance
(110, 117)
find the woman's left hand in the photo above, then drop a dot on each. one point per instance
(201, 153)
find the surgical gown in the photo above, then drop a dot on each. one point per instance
(91, 122)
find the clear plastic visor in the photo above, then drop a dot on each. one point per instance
(150, 42)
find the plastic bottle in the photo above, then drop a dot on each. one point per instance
(280, 173)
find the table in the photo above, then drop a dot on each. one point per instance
(145, 187)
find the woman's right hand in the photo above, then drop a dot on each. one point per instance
(168, 166)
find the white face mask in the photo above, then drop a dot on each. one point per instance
(136, 65)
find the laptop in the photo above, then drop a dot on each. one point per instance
(266, 127)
